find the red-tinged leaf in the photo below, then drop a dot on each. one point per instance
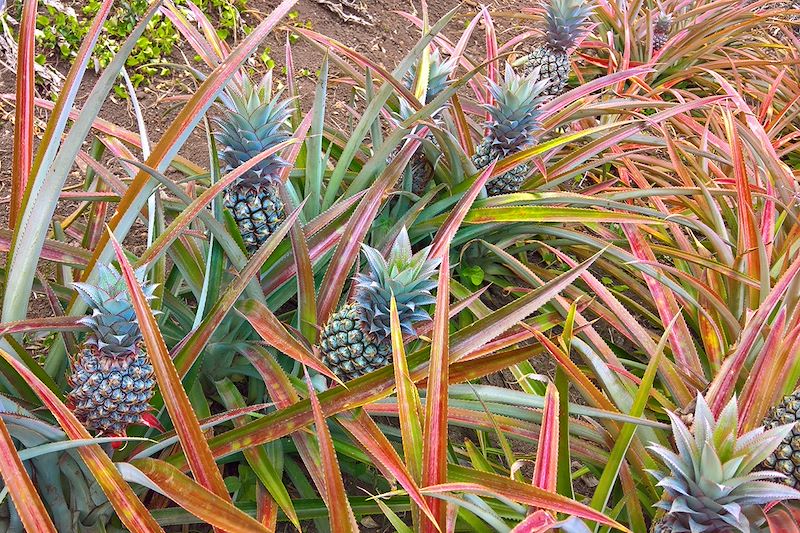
(448, 229)
(266, 508)
(24, 495)
(434, 446)
(168, 438)
(680, 339)
(722, 387)
(257, 456)
(284, 395)
(23, 122)
(473, 481)
(384, 456)
(191, 34)
(364, 62)
(785, 181)
(588, 390)
(207, 506)
(190, 347)
(346, 252)
(49, 143)
(274, 333)
(748, 236)
(341, 515)
(55, 251)
(408, 403)
(492, 68)
(192, 439)
(513, 427)
(545, 471)
(306, 290)
(129, 508)
(537, 522)
(180, 129)
(56, 323)
(755, 399)
(781, 520)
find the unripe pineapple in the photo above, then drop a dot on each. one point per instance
(357, 338)
(112, 380)
(709, 484)
(438, 80)
(514, 120)
(786, 457)
(661, 29)
(254, 121)
(565, 22)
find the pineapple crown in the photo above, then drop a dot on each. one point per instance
(253, 121)
(710, 483)
(663, 22)
(405, 275)
(564, 22)
(515, 113)
(113, 325)
(438, 80)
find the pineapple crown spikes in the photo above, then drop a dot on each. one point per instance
(565, 21)
(254, 121)
(439, 74)
(514, 117)
(405, 275)
(113, 325)
(663, 22)
(714, 463)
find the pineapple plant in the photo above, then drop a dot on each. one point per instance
(661, 29)
(111, 377)
(438, 80)
(514, 118)
(709, 484)
(786, 457)
(357, 338)
(253, 121)
(565, 22)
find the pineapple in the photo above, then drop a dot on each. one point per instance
(253, 122)
(357, 338)
(514, 120)
(111, 378)
(661, 29)
(710, 485)
(786, 457)
(438, 80)
(565, 22)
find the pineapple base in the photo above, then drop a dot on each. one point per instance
(348, 349)
(421, 169)
(506, 183)
(786, 457)
(553, 65)
(258, 211)
(110, 393)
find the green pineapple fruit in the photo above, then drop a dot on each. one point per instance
(357, 338)
(253, 122)
(438, 80)
(710, 485)
(514, 120)
(786, 457)
(565, 22)
(661, 29)
(112, 380)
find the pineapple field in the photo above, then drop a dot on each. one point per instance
(333, 266)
